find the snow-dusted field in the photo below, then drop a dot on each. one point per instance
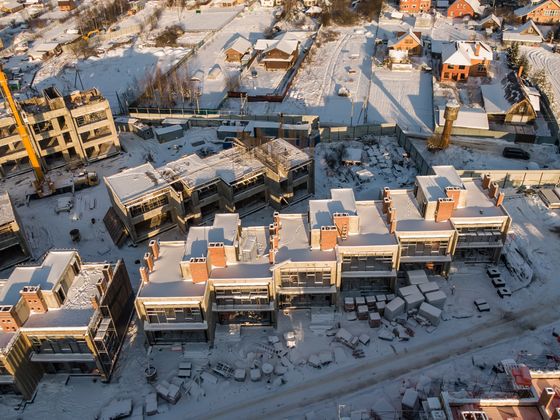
(543, 58)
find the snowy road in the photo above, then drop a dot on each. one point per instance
(297, 400)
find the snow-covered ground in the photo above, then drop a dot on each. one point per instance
(544, 58)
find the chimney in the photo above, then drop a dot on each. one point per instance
(107, 271)
(486, 181)
(272, 256)
(444, 209)
(9, 319)
(386, 192)
(144, 275)
(391, 214)
(217, 254)
(387, 202)
(500, 199)
(101, 286)
(276, 218)
(274, 242)
(342, 223)
(33, 297)
(328, 237)
(454, 193)
(555, 415)
(199, 270)
(547, 395)
(520, 72)
(95, 302)
(477, 49)
(154, 247)
(494, 189)
(273, 229)
(149, 260)
(393, 226)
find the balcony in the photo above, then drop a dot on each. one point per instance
(171, 326)
(62, 357)
(242, 307)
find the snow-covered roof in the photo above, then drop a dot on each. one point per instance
(45, 275)
(461, 53)
(409, 217)
(467, 118)
(136, 182)
(160, 131)
(475, 4)
(229, 165)
(6, 209)
(500, 97)
(240, 44)
(410, 33)
(263, 44)
(224, 230)
(286, 46)
(531, 7)
(285, 153)
(528, 32)
(373, 229)
(491, 18)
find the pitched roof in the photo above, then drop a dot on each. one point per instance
(461, 53)
(284, 45)
(520, 35)
(475, 4)
(500, 97)
(239, 44)
(403, 36)
(492, 17)
(531, 7)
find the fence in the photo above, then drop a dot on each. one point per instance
(516, 178)
(340, 133)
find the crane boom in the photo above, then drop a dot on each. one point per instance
(22, 130)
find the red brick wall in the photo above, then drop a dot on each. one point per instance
(460, 8)
(328, 239)
(444, 209)
(341, 223)
(217, 255)
(34, 301)
(8, 322)
(454, 73)
(199, 270)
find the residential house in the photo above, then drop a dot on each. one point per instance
(460, 8)
(511, 101)
(267, 3)
(10, 6)
(13, 244)
(415, 6)
(237, 49)
(74, 128)
(62, 316)
(544, 12)
(527, 34)
(280, 55)
(462, 59)
(191, 190)
(66, 5)
(491, 23)
(407, 41)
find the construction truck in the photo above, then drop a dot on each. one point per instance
(42, 185)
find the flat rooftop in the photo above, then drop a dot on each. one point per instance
(321, 211)
(77, 309)
(434, 186)
(228, 165)
(46, 275)
(285, 153)
(478, 203)
(499, 411)
(373, 230)
(166, 279)
(294, 242)
(6, 209)
(224, 229)
(5, 339)
(409, 218)
(136, 182)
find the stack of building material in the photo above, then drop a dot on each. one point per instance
(255, 374)
(431, 286)
(416, 277)
(410, 404)
(394, 308)
(362, 312)
(408, 290)
(240, 375)
(150, 404)
(436, 299)
(349, 304)
(380, 307)
(370, 302)
(374, 320)
(413, 301)
(430, 312)
(185, 369)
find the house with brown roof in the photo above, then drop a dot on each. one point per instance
(545, 12)
(414, 6)
(407, 41)
(462, 59)
(460, 8)
(280, 55)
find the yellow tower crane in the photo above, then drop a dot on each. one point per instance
(42, 186)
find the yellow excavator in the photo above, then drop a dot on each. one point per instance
(44, 187)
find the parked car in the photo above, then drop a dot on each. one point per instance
(515, 153)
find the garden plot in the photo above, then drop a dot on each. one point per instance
(543, 58)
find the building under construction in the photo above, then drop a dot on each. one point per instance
(74, 128)
(13, 245)
(192, 189)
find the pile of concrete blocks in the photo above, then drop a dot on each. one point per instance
(430, 312)
(394, 308)
(412, 296)
(416, 277)
(410, 404)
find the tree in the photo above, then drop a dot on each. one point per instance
(523, 63)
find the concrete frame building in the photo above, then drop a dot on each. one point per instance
(226, 273)
(78, 127)
(192, 190)
(13, 244)
(62, 316)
